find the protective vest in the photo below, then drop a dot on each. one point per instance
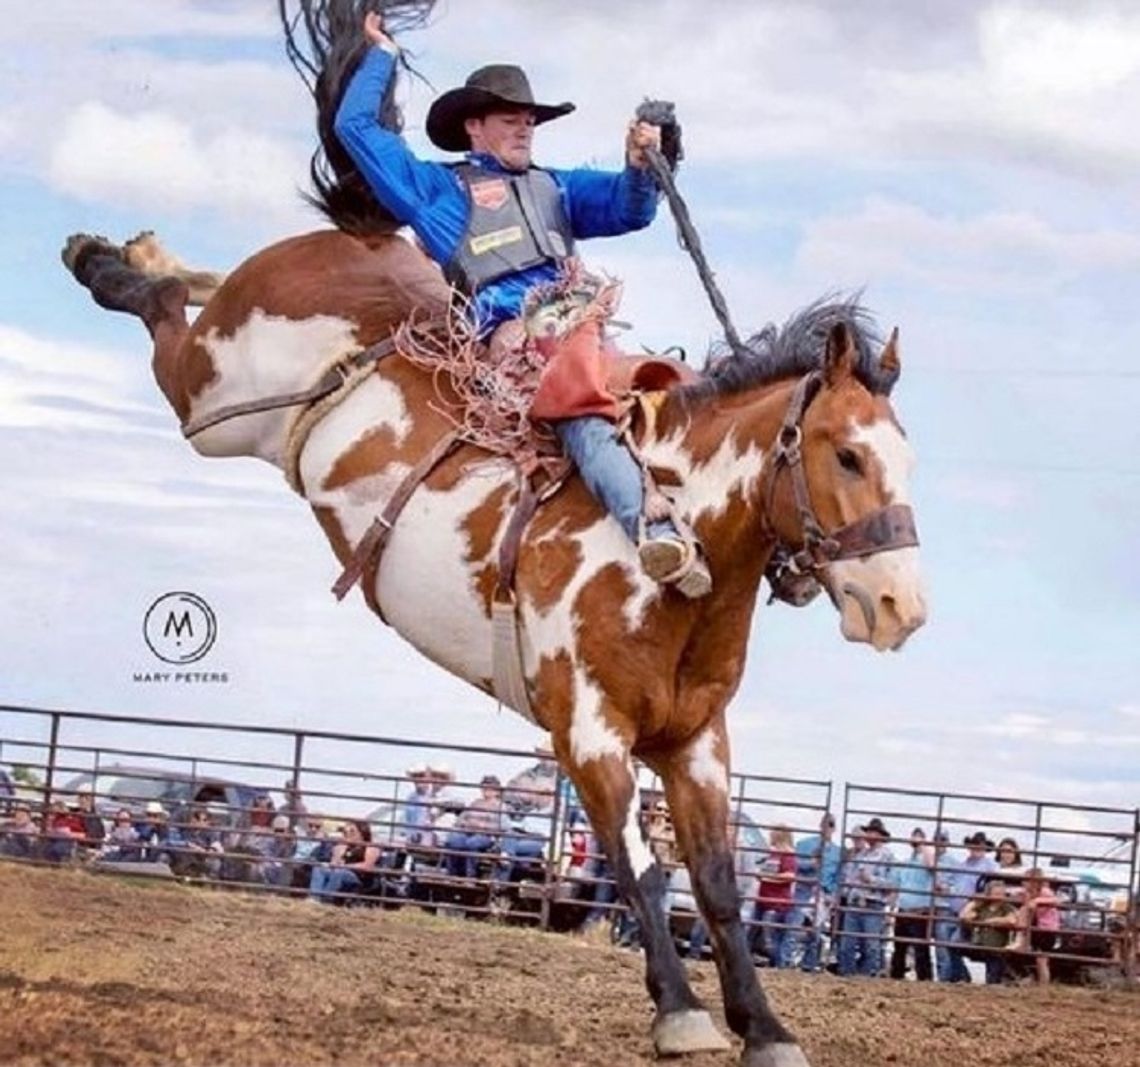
(516, 221)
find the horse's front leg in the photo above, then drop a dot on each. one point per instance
(607, 787)
(696, 782)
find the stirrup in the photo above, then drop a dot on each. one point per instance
(678, 563)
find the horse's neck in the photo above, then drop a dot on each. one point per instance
(720, 449)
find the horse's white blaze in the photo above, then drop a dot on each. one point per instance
(590, 736)
(896, 458)
(641, 857)
(891, 581)
(705, 768)
(266, 355)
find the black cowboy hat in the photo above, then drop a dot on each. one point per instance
(875, 826)
(496, 86)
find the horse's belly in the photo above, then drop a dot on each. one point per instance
(427, 582)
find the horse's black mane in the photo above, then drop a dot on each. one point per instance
(325, 44)
(792, 350)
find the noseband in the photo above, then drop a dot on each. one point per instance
(881, 530)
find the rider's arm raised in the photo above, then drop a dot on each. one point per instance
(413, 190)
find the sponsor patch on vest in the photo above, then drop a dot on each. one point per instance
(489, 241)
(490, 195)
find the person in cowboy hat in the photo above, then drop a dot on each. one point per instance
(500, 226)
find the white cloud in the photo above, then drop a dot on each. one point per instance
(1015, 724)
(1013, 253)
(156, 160)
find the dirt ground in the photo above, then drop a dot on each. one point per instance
(96, 970)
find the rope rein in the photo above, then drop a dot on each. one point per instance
(691, 243)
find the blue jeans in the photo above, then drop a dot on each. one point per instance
(862, 954)
(805, 932)
(779, 938)
(950, 965)
(519, 854)
(609, 471)
(325, 881)
(466, 866)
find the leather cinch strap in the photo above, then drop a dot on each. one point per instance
(366, 555)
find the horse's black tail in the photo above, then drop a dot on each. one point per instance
(325, 44)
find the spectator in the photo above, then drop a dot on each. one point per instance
(662, 836)
(255, 841)
(353, 860)
(121, 844)
(1040, 922)
(63, 830)
(914, 907)
(7, 792)
(311, 847)
(19, 836)
(294, 806)
(773, 909)
(1008, 853)
(524, 846)
(93, 829)
(153, 834)
(195, 849)
(477, 830)
(955, 884)
(817, 874)
(418, 808)
(991, 920)
(277, 870)
(871, 881)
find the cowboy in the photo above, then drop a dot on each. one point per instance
(500, 227)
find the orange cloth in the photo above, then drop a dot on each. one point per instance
(573, 382)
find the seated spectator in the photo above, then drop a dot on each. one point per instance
(351, 866)
(63, 830)
(7, 792)
(121, 844)
(277, 869)
(1008, 853)
(195, 849)
(248, 848)
(991, 920)
(153, 834)
(477, 830)
(19, 835)
(773, 907)
(312, 846)
(93, 829)
(524, 846)
(1039, 922)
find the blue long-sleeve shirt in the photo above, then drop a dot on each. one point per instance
(431, 199)
(817, 862)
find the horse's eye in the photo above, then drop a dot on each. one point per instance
(849, 460)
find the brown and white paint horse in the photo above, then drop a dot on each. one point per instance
(619, 667)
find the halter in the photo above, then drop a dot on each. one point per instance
(881, 530)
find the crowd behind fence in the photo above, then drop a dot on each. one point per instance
(948, 886)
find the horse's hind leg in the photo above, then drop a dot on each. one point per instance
(607, 786)
(101, 267)
(696, 783)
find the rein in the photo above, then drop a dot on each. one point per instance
(881, 530)
(332, 380)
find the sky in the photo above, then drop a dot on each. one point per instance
(971, 167)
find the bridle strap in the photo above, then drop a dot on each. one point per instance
(881, 530)
(329, 383)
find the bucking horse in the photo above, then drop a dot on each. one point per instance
(792, 446)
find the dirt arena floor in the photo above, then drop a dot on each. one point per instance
(95, 970)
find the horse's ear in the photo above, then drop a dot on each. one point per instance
(839, 358)
(890, 362)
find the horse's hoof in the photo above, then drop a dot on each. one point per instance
(782, 1055)
(687, 1031)
(83, 245)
